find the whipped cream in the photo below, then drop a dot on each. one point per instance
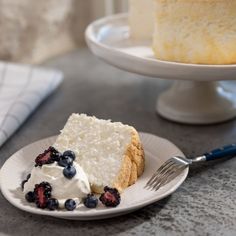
(62, 188)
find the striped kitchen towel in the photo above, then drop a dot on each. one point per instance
(22, 89)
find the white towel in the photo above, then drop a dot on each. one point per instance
(22, 89)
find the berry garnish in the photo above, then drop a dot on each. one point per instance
(56, 155)
(30, 196)
(69, 172)
(52, 204)
(90, 201)
(47, 157)
(23, 184)
(70, 204)
(65, 161)
(42, 193)
(110, 197)
(70, 154)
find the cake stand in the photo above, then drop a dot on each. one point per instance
(196, 96)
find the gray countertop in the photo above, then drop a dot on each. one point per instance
(204, 205)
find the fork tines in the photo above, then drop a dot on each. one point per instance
(168, 171)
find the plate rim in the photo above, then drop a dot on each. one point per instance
(89, 215)
(90, 38)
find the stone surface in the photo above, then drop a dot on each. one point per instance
(204, 205)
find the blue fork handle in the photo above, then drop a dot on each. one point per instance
(226, 151)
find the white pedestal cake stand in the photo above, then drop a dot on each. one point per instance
(195, 98)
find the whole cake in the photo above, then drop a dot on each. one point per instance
(110, 154)
(141, 19)
(194, 31)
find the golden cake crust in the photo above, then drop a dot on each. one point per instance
(134, 174)
(195, 31)
(122, 180)
(132, 167)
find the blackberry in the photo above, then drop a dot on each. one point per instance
(110, 197)
(56, 155)
(42, 193)
(47, 157)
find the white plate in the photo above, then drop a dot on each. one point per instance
(109, 39)
(157, 150)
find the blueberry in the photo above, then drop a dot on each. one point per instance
(69, 172)
(30, 196)
(70, 204)
(91, 201)
(65, 161)
(70, 154)
(52, 204)
(23, 184)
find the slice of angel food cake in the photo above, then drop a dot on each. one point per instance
(110, 153)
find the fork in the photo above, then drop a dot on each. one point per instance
(175, 165)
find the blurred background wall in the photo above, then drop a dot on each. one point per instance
(33, 31)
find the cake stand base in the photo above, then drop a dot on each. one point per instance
(189, 101)
(197, 103)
